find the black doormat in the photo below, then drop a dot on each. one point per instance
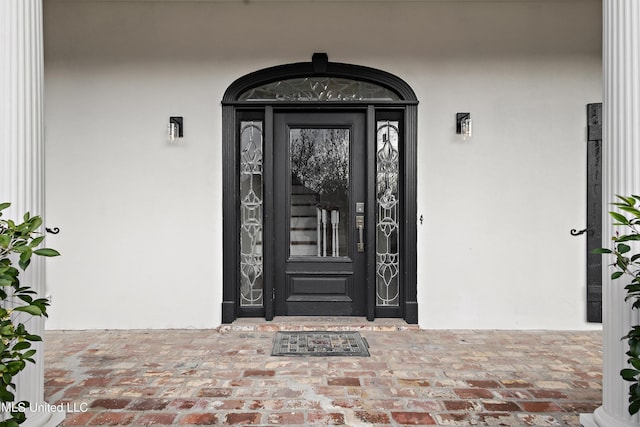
(319, 343)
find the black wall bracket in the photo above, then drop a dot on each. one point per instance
(575, 232)
(320, 61)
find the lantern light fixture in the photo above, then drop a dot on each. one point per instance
(464, 125)
(175, 128)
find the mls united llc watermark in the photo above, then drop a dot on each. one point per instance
(69, 407)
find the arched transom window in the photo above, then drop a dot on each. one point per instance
(319, 89)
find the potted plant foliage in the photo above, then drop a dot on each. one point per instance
(18, 303)
(627, 265)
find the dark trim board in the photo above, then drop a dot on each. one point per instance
(269, 239)
(405, 110)
(371, 183)
(410, 215)
(594, 212)
(229, 217)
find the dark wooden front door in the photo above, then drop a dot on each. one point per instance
(319, 213)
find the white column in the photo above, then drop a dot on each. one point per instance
(621, 175)
(21, 160)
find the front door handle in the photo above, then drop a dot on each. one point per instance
(360, 227)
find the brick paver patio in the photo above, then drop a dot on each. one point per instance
(413, 377)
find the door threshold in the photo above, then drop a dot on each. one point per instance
(317, 323)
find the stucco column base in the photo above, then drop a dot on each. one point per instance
(600, 418)
(44, 419)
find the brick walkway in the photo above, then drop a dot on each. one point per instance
(226, 377)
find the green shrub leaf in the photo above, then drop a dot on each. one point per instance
(21, 346)
(28, 354)
(31, 309)
(623, 249)
(601, 251)
(629, 374)
(34, 224)
(46, 252)
(627, 238)
(36, 242)
(620, 218)
(633, 211)
(627, 200)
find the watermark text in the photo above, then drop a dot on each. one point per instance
(23, 407)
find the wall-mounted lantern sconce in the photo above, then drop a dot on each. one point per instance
(464, 125)
(176, 128)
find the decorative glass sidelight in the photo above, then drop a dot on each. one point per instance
(319, 163)
(387, 226)
(319, 89)
(251, 205)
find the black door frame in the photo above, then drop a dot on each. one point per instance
(232, 111)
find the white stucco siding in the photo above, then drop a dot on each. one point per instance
(498, 208)
(141, 220)
(139, 217)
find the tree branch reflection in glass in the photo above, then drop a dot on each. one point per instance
(319, 165)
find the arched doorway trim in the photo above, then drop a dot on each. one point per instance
(398, 102)
(319, 67)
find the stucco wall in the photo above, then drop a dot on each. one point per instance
(141, 219)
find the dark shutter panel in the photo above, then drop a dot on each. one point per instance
(594, 212)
